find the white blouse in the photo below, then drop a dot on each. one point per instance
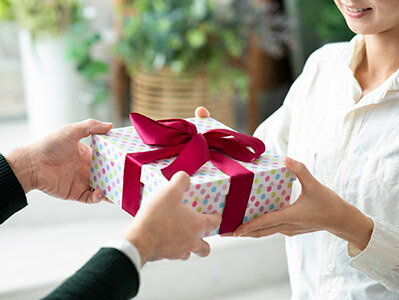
(351, 145)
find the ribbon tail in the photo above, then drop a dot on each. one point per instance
(193, 157)
(131, 185)
(132, 173)
(239, 191)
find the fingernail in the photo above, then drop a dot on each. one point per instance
(106, 123)
(227, 235)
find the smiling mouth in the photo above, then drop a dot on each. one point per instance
(357, 10)
(349, 7)
(354, 12)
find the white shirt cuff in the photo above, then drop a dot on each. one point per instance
(128, 249)
(353, 250)
(380, 259)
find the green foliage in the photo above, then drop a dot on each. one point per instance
(52, 18)
(5, 10)
(81, 41)
(191, 36)
(45, 18)
(331, 25)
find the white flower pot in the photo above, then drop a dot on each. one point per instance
(53, 88)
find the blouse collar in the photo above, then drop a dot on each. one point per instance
(353, 55)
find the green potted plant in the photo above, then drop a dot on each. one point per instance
(7, 29)
(5, 10)
(185, 53)
(45, 19)
(55, 73)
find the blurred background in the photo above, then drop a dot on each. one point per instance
(63, 61)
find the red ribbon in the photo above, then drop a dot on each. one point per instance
(180, 137)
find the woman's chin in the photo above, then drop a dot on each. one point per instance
(362, 29)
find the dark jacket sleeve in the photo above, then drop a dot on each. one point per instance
(109, 275)
(12, 195)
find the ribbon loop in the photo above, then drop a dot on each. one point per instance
(197, 148)
(224, 137)
(163, 133)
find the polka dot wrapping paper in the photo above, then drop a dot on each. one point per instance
(271, 187)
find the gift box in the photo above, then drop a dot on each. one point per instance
(239, 190)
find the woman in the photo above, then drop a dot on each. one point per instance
(341, 119)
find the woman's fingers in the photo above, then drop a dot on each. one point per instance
(286, 229)
(267, 220)
(266, 231)
(300, 170)
(202, 112)
(228, 234)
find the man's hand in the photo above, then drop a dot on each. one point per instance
(59, 164)
(167, 228)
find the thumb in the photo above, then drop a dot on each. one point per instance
(181, 179)
(179, 184)
(300, 170)
(85, 128)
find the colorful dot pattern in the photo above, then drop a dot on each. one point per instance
(209, 186)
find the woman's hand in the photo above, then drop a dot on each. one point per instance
(317, 208)
(202, 112)
(59, 164)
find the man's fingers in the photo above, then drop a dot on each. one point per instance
(201, 248)
(202, 112)
(85, 128)
(92, 197)
(265, 221)
(186, 256)
(210, 222)
(87, 197)
(180, 182)
(176, 187)
(300, 170)
(97, 196)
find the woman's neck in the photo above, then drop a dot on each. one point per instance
(380, 60)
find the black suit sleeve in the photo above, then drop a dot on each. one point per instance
(108, 275)
(12, 195)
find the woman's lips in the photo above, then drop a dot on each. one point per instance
(357, 12)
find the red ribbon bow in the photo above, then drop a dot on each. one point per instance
(180, 137)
